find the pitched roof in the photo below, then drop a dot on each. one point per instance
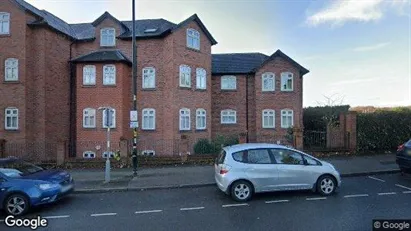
(195, 18)
(279, 53)
(103, 56)
(163, 28)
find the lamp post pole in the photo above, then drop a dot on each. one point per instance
(134, 54)
(108, 112)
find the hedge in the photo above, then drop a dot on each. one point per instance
(314, 118)
(205, 146)
(383, 130)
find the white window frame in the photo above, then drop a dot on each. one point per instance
(228, 113)
(268, 76)
(111, 154)
(193, 39)
(110, 39)
(185, 76)
(11, 113)
(287, 112)
(201, 78)
(225, 82)
(108, 77)
(148, 73)
(265, 115)
(185, 114)
(285, 76)
(89, 72)
(201, 113)
(6, 22)
(146, 118)
(87, 113)
(104, 119)
(13, 65)
(86, 155)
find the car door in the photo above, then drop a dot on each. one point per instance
(261, 169)
(293, 174)
(3, 188)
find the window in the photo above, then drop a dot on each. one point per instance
(286, 81)
(193, 39)
(89, 75)
(108, 37)
(109, 75)
(228, 83)
(4, 23)
(268, 118)
(149, 119)
(240, 156)
(112, 121)
(111, 154)
(311, 161)
(228, 117)
(12, 119)
(149, 77)
(258, 156)
(185, 76)
(287, 119)
(201, 119)
(268, 82)
(11, 69)
(148, 153)
(185, 119)
(283, 156)
(89, 118)
(89, 154)
(201, 78)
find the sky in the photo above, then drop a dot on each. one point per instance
(358, 52)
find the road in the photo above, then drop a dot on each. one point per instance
(360, 200)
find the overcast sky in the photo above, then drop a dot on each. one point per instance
(359, 50)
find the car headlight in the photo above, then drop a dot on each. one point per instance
(45, 186)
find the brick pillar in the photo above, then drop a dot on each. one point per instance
(351, 128)
(123, 148)
(242, 137)
(61, 153)
(184, 148)
(298, 139)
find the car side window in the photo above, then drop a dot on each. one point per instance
(311, 161)
(283, 156)
(258, 156)
(240, 157)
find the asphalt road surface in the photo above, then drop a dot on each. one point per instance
(360, 200)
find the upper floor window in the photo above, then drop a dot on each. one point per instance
(201, 78)
(268, 82)
(185, 122)
(89, 118)
(287, 81)
(11, 69)
(149, 77)
(201, 118)
(228, 116)
(287, 118)
(111, 121)
(228, 83)
(185, 76)
(4, 23)
(109, 75)
(108, 37)
(89, 75)
(149, 119)
(11, 121)
(193, 39)
(268, 118)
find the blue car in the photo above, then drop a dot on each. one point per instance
(24, 185)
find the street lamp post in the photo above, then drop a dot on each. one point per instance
(134, 54)
(108, 122)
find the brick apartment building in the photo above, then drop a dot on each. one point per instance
(56, 76)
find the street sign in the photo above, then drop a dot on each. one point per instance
(133, 124)
(109, 117)
(133, 116)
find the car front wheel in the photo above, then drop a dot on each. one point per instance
(326, 185)
(241, 191)
(16, 204)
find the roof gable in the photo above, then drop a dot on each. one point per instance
(195, 18)
(102, 56)
(279, 53)
(105, 16)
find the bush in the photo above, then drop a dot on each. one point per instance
(383, 130)
(315, 118)
(203, 146)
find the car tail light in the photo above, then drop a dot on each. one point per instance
(224, 169)
(400, 148)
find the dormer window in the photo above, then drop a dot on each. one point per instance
(4, 23)
(108, 37)
(193, 39)
(150, 30)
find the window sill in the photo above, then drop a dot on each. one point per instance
(148, 130)
(88, 86)
(109, 85)
(185, 131)
(149, 89)
(265, 92)
(185, 88)
(11, 81)
(228, 90)
(201, 130)
(287, 90)
(193, 49)
(89, 129)
(201, 90)
(228, 124)
(12, 130)
(273, 128)
(5, 35)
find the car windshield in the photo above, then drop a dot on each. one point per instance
(18, 168)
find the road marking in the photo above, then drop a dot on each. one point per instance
(277, 201)
(388, 193)
(374, 178)
(103, 214)
(406, 192)
(148, 211)
(233, 205)
(402, 186)
(356, 195)
(316, 198)
(194, 208)
(56, 217)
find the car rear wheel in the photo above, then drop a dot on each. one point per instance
(241, 191)
(16, 204)
(326, 185)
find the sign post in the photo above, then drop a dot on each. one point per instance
(108, 122)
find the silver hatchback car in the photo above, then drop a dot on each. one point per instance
(244, 169)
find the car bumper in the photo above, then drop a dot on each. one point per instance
(222, 183)
(404, 162)
(53, 195)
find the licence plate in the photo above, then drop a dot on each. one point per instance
(66, 188)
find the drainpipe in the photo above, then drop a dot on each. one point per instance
(246, 106)
(72, 112)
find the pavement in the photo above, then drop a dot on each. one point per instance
(352, 208)
(92, 181)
